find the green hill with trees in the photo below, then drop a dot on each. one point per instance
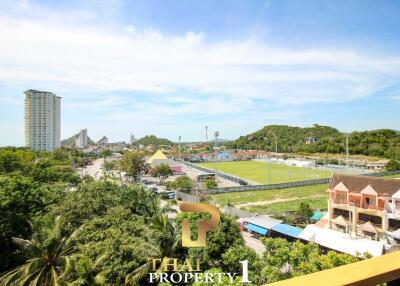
(324, 139)
(153, 140)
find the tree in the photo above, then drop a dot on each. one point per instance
(239, 252)
(393, 165)
(304, 210)
(133, 164)
(183, 183)
(162, 171)
(219, 240)
(283, 259)
(89, 273)
(15, 159)
(125, 238)
(48, 257)
(90, 200)
(211, 184)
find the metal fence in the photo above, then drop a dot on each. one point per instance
(382, 174)
(186, 197)
(288, 184)
(229, 210)
(236, 212)
(267, 187)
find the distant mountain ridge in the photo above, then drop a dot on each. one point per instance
(322, 139)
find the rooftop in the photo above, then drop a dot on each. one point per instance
(356, 184)
(40, 91)
(263, 221)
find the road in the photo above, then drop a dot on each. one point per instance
(253, 243)
(94, 170)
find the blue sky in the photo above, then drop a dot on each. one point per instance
(171, 67)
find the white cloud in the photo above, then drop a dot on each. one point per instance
(72, 52)
(92, 57)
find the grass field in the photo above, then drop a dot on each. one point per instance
(267, 173)
(275, 201)
(277, 208)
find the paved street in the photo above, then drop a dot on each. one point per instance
(94, 170)
(253, 243)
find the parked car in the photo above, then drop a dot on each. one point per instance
(168, 195)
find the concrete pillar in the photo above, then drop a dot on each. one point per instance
(385, 223)
(330, 213)
(354, 219)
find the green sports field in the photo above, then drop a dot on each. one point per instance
(267, 173)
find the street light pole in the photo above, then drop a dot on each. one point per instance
(347, 151)
(179, 148)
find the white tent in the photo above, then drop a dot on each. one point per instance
(341, 242)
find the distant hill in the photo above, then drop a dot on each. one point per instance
(71, 141)
(322, 139)
(153, 140)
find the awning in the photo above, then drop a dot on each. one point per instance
(340, 221)
(263, 221)
(340, 241)
(256, 229)
(368, 227)
(395, 234)
(287, 230)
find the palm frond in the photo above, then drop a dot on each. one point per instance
(136, 275)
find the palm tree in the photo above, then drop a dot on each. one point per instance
(167, 238)
(166, 235)
(89, 273)
(48, 258)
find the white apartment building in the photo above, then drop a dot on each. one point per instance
(42, 120)
(82, 140)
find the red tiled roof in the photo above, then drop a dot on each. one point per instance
(356, 184)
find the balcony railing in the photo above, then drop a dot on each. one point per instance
(357, 204)
(340, 202)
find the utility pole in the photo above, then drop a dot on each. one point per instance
(179, 148)
(347, 151)
(206, 134)
(216, 134)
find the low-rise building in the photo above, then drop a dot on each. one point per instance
(364, 206)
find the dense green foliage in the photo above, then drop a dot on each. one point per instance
(304, 210)
(133, 164)
(30, 183)
(183, 183)
(393, 165)
(381, 143)
(283, 259)
(153, 140)
(162, 172)
(210, 184)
